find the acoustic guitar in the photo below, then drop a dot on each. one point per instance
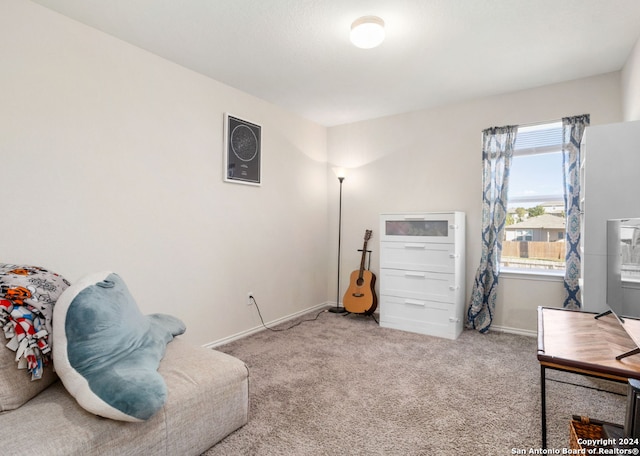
(360, 297)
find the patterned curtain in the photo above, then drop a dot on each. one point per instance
(497, 152)
(572, 131)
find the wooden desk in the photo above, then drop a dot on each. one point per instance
(577, 342)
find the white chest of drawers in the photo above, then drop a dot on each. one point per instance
(422, 267)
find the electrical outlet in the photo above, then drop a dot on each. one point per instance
(249, 299)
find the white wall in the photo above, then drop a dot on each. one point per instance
(111, 159)
(431, 160)
(631, 85)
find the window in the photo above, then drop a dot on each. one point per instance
(524, 235)
(535, 227)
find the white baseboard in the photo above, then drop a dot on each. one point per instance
(259, 328)
(518, 331)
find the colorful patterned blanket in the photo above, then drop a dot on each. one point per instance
(27, 297)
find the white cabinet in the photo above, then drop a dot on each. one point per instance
(611, 185)
(422, 272)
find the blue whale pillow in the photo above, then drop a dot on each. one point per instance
(106, 352)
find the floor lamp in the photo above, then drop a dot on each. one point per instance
(340, 173)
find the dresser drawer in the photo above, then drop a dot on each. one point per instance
(421, 256)
(431, 227)
(431, 286)
(416, 310)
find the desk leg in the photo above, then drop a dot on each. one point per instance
(543, 404)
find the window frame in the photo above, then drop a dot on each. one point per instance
(544, 146)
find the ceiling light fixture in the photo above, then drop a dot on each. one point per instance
(367, 32)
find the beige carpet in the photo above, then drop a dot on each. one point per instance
(342, 385)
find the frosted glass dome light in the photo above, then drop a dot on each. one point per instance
(367, 32)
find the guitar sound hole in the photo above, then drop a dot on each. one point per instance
(359, 282)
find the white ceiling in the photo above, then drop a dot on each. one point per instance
(297, 54)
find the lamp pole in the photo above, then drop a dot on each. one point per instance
(337, 308)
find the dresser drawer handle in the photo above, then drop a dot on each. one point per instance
(415, 246)
(454, 287)
(454, 255)
(414, 302)
(415, 274)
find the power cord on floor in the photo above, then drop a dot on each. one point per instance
(283, 329)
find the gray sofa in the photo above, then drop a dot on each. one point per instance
(207, 400)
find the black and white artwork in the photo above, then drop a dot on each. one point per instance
(242, 151)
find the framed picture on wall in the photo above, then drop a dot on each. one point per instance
(242, 151)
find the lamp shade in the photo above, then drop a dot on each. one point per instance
(340, 173)
(367, 32)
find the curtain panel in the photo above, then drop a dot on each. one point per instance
(572, 132)
(497, 153)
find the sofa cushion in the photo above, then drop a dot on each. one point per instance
(207, 400)
(208, 396)
(107, 353)
(16, 386)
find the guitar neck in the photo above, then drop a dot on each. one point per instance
(364, 254)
